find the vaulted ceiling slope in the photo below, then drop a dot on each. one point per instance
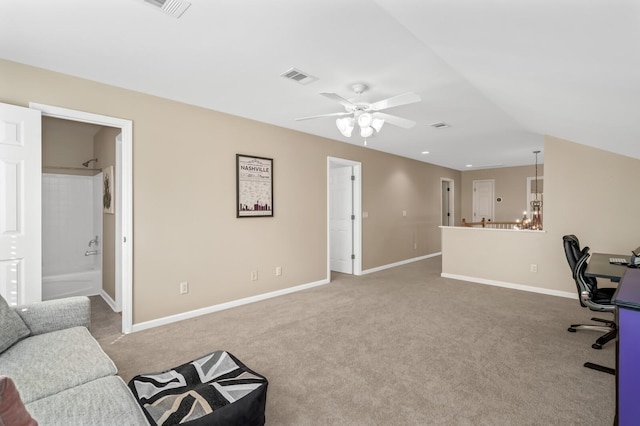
(500, 73)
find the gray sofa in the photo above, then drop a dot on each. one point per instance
(61, 372)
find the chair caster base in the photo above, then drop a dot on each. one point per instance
(596, 346)
(571, 329)
(599, 367)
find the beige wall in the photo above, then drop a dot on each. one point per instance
(583, 196)
(104, 148)
(184, 192)
(510, 184)
(66, 145)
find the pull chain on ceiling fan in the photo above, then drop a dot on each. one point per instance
(368, 116)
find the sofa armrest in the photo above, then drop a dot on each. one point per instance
(53, 315)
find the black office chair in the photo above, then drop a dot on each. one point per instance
(589, 295)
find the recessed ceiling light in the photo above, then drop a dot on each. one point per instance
(469, 165)
(425, 152)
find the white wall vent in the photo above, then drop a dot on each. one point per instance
(173, 8)
(439, 125)
(298, 76)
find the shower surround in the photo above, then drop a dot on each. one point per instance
(71, 218)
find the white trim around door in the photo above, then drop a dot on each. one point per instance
(124, 200)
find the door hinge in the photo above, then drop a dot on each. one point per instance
(353, 256)
(353, 177)
(353, 217)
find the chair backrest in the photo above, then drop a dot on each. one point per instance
(585, 286)
(572, 252)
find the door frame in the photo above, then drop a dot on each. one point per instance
(124, 200)
(452, 218)
(357, 212)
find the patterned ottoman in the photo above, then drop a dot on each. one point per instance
(216, 389)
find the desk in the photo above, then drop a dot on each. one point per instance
(599, 267)
(627, 301)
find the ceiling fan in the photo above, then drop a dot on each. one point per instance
(368, 115)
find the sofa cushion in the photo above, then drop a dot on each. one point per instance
(12, 328)
(49, 363)
(12, 410)
(103, 402)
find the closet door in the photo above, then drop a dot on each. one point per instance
(483, 201)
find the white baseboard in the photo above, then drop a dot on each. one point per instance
(222, 306)
(402, 262)
(105, 296)
(529, 288)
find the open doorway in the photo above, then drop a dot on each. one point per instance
(447, 190)
(344, 217)
(122, 193)
(78, 229)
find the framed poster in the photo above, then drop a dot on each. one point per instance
(108, 187)
(254, 186)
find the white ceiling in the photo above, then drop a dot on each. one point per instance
(501, 73)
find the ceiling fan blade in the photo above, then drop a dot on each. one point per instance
(395, 101)
(395, 120)
(342, 101)
(333, 114)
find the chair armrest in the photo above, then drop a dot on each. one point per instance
(53, 315)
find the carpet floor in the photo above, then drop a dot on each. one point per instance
(402, 346)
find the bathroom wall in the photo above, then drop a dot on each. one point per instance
(66, 145)
(104, 148)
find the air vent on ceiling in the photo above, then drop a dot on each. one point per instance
(298, 76)
(173, 8)
(439, 125)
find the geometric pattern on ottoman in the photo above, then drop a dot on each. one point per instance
(216, 389)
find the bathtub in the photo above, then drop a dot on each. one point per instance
(83, 283)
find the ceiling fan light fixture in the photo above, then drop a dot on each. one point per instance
(377, 124)
(369, 117)
(365, 119)
(366, 132)
(345, 125)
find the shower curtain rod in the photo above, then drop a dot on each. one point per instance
(83, 169)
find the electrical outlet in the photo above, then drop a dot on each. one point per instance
(254, 275)
(278, 271)
(184, 287)
(534, 267)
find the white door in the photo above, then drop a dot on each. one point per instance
(341, 220)
(20, 205)
(483, 199)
